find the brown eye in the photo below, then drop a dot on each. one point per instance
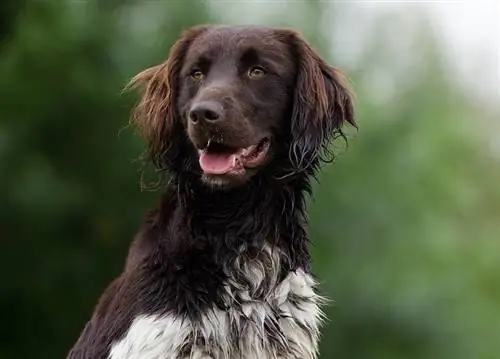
(256, 71)
(197, 75)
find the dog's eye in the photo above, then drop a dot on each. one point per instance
(196, 75)
(256, 71)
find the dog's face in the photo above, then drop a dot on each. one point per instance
(232, 101)
(234, 90)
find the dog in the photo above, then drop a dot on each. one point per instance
(238, 120)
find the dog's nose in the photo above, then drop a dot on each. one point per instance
(206, 111)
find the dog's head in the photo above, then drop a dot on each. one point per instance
(233, 102)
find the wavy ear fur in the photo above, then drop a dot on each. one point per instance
(323, 104)
(156, 115)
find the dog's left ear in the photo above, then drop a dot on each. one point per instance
(323, 104)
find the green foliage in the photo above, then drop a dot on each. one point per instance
(69, 179)
(404, 224)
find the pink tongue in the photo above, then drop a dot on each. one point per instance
(217, 163)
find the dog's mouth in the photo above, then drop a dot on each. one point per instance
(219, 159)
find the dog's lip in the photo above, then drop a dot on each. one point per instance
(237, 159)
(253, 156)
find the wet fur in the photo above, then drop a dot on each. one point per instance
(224, 273)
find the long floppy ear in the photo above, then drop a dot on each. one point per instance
(322, 105)
(155, 115)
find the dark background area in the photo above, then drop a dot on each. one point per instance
(405, 225)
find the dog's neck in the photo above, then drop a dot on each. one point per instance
(262, 212)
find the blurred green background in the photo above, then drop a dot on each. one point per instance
(405, 225)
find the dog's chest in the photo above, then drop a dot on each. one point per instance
(264, 320)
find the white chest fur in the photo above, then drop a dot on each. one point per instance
(282, 324)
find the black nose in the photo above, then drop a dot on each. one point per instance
(207, 111)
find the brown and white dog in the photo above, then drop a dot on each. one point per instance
(239, 119)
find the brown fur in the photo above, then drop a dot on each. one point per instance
(178, 263)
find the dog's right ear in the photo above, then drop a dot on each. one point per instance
(155, 115)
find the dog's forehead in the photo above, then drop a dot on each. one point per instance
(217, 41)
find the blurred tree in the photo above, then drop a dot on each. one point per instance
(393, 222)
(9, 13)
(404, 225)
(69, 184)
